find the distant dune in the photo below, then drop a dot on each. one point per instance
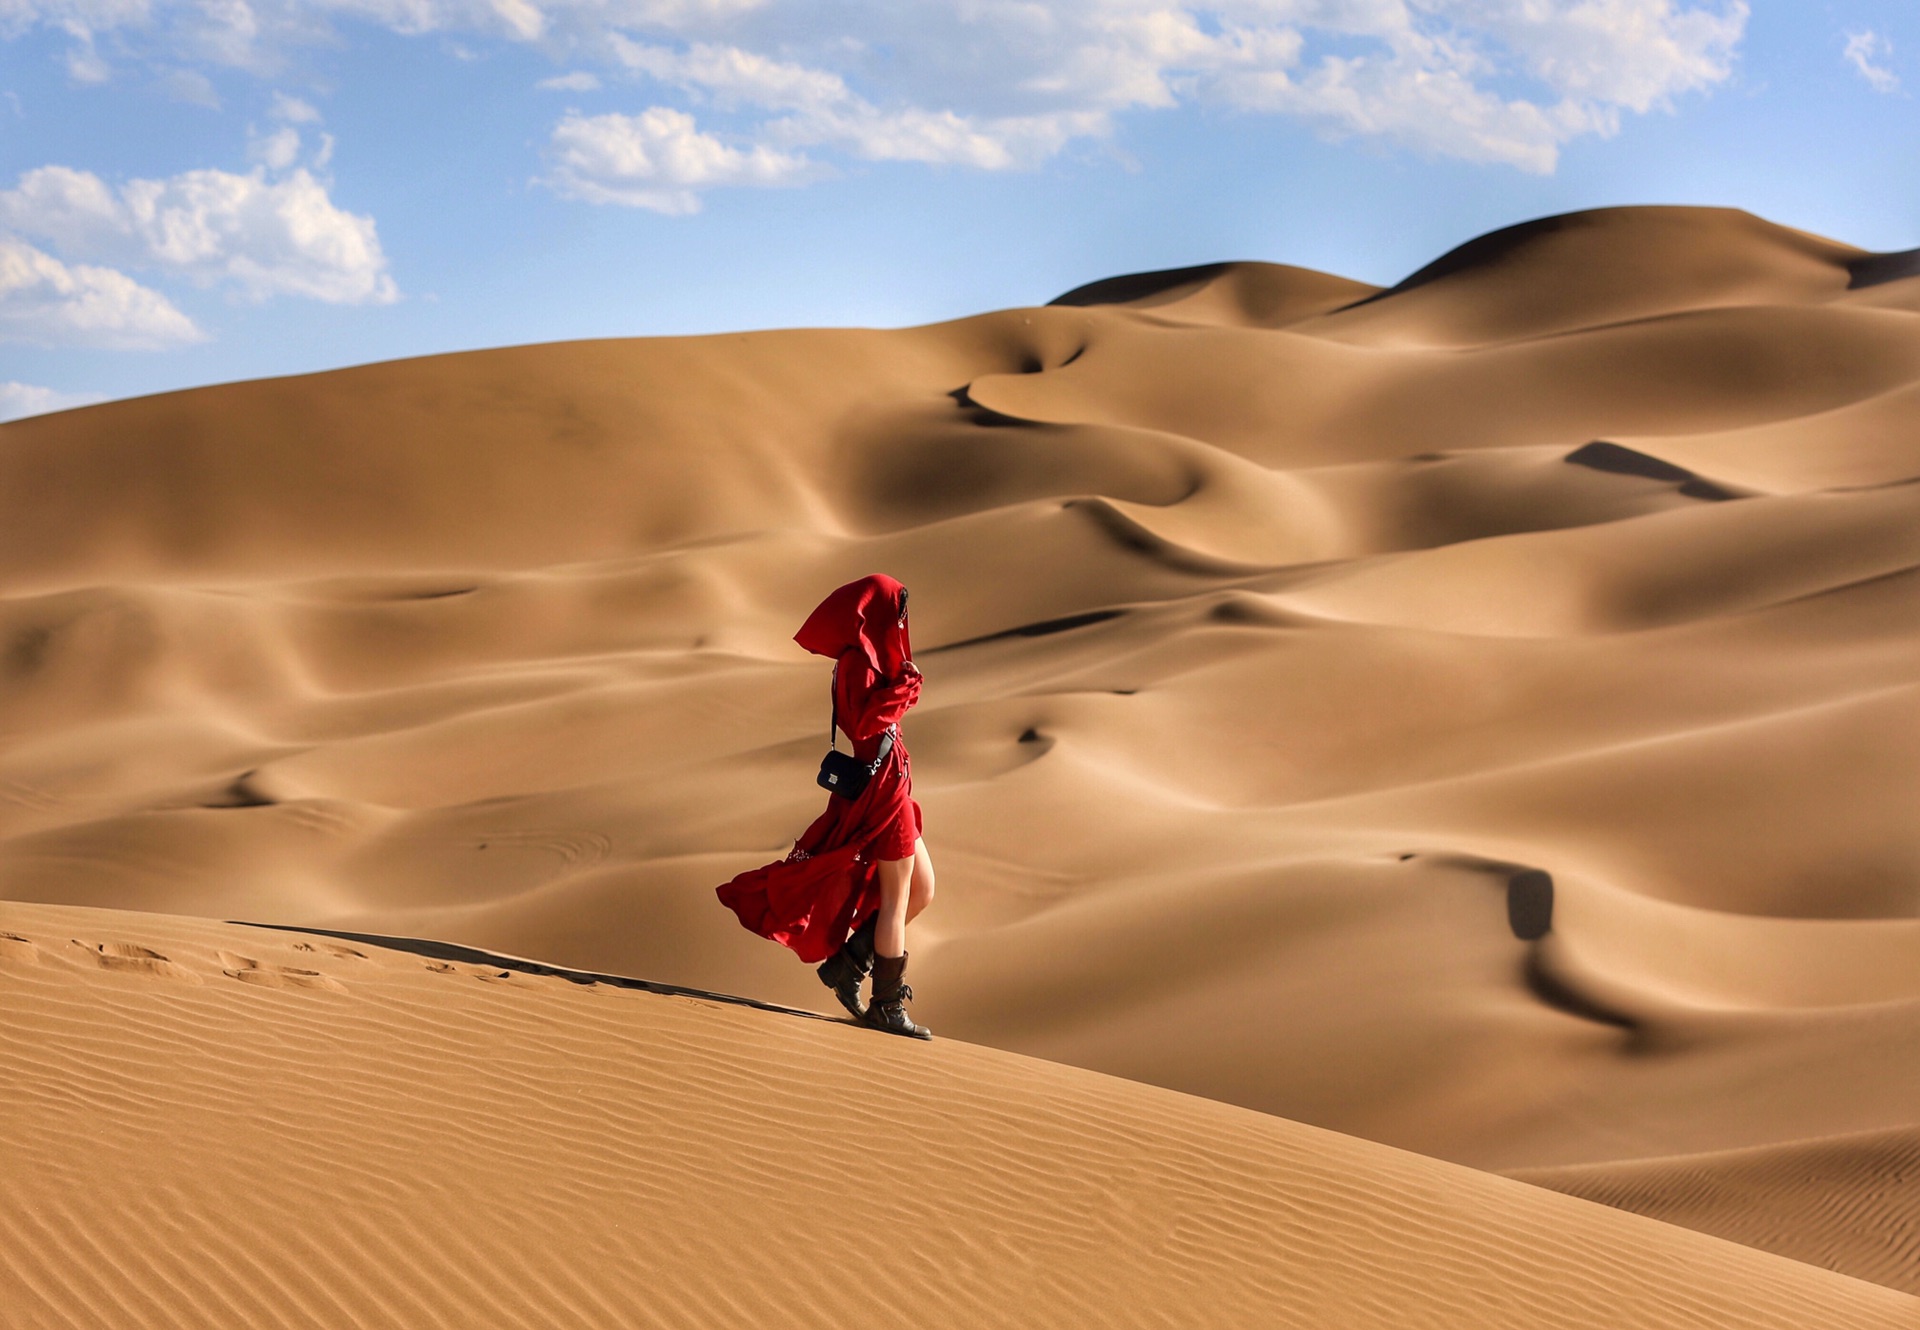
(288, 1130)
(1479, 716)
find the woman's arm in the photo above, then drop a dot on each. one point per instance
(870, 704)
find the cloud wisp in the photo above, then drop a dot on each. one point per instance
(19, 400)
(1864, 51)
(657, 159)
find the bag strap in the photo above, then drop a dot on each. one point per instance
(833, 708)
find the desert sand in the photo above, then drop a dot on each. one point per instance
(1477, 716)
(217, 1125)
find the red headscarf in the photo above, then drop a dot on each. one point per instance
(869, 616)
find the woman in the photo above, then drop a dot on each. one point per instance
(861, 872)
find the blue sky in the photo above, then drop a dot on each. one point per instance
(199, 191)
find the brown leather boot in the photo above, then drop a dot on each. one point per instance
(847, 968)
(888, 1010)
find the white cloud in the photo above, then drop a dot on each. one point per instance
(1629, 54)
(277, 151)
(84, 64)
(18, 400)
(1861, 50)
(1433, 86)
(658, 159)
(190, 86)
(1006, 84)
(293, 110)
(48, 303)
(86, 15)
(735, 77)
(264, 234)
(820, 109)
(1438, 110)
(523, 19)
(915, 135)
(227, 32)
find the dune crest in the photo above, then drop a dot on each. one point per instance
(1273, 627)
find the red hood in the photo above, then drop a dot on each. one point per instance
(863, 616)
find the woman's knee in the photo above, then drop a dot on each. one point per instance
(922, 886)
(896, 877)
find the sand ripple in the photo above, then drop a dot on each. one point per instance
(416, 1147)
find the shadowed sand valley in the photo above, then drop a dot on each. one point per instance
(1478, 716)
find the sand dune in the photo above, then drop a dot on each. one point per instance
(1273, 626)
(1803, 1199)
(334, 1133)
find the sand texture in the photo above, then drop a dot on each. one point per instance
(378, 1138)
(1845, 1202)
(1478, 716)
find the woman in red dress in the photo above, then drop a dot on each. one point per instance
(845, 894)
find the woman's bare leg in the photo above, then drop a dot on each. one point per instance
(904, 891)
(890, 924)
(920, 889)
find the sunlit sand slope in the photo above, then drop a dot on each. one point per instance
(1480, 716)
(214, 1125)
(1845, 1202)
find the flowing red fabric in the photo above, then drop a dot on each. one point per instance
(811, 900)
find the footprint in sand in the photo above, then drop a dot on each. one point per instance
(132, 958)
(333, 949)
(250, 971)
(13, 947)
(487, 976)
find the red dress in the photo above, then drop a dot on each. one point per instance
(811, 900)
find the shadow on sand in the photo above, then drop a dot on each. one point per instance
(450, 951)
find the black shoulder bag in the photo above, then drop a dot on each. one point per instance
(843, 773)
